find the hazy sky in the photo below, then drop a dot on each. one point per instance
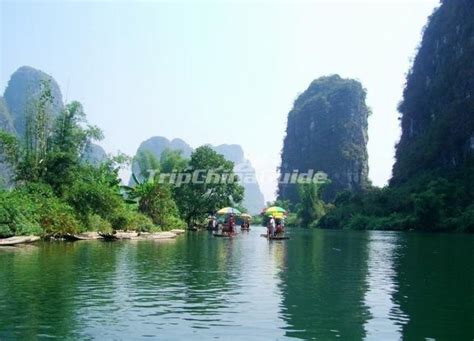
(216, 72)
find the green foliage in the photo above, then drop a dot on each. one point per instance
(172, 160)
(292, 220)
(156, 201)
(127, 218)
(56, 191)
(198, 198)
(427, 202)
(147, 162)
(311, 206)
(94, 191)
(97, 223)
(33, 209)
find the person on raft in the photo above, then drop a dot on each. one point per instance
(280, 228)
(229, 224)
(212, 223)
(271, 227)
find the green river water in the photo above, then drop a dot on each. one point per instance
(318, 285)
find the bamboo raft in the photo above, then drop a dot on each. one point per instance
(224, 235)
(275, 237)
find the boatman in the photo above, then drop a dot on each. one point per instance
(271, 226)
(231, 223)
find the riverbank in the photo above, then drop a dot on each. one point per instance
(119, 235)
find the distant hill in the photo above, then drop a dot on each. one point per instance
(253, 200)
(23, 89)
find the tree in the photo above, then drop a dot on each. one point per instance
(172, 160)
(147, 162)
(311, 206)
(67, 146)
(155, 199)
(212, 185)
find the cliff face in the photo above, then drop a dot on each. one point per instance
(6, 122)
(437, 111)
(23, 90)
(327, 131)
(253, 199)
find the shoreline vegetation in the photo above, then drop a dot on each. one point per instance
(52, 189)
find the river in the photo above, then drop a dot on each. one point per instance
(318, 285)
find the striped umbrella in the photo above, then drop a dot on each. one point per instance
(229, 210)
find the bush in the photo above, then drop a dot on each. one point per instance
(33, 209)
(128, 219)
(172, 222)
(97, 223)
(292, 220)
(427, 202)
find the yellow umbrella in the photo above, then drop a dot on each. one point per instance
(277, 215)
(245, 215)
(275, 209)
(229, 210)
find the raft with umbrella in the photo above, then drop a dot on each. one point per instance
(227, 211)
(246, 218)
(276, 212)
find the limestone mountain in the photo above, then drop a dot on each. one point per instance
(94, 154)
(253, 199)
(327, 131)
(157, 145)
(437, 111)
(6, 122)
(23, 89)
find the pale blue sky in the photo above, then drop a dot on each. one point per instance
(216, 72)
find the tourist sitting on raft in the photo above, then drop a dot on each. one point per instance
(229, 225)
(280, 227)
(245, 223)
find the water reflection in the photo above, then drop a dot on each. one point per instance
(317, 285)
(325, 283)
(435, 275)
(386, 317)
